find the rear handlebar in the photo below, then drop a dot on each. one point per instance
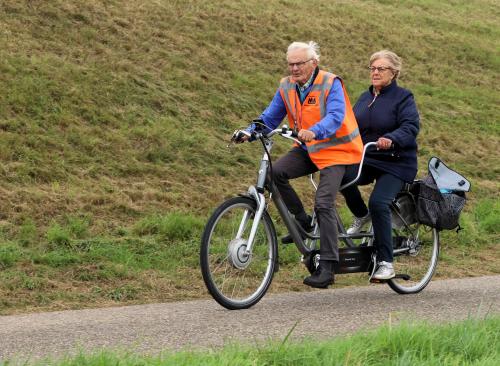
(370, 144)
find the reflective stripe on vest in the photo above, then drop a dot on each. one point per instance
(333, 141)
(287, 86)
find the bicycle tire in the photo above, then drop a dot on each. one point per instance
(419, 263)
(235, 281)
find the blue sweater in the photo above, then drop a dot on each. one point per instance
(393, 114)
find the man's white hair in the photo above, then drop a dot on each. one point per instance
(311, 47)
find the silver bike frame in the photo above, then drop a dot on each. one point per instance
(256, 192)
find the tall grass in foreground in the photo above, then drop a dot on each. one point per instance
(471, 342)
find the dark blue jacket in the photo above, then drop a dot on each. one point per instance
(393, 114)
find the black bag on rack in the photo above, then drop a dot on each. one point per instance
(441, 196)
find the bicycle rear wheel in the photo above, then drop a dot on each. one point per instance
(236, 280)
(416, 252)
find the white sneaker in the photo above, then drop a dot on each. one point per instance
(358, 223)
(385, 271)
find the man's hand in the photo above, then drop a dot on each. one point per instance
(240, 136)
(384, 143)
(306, 135)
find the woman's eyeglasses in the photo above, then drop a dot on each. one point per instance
(379, 69)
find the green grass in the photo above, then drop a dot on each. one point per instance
(115, 115)
(470, 342)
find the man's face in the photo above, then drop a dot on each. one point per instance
(300, 66)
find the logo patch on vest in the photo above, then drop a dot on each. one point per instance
(311, 101)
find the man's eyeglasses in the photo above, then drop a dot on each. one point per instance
(298, 64)
(379, 69)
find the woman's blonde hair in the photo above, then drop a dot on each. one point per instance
(394, 60)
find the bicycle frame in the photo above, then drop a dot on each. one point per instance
(257, 193)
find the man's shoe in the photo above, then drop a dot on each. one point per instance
(358, 223)
(385, 271)
(322, 278)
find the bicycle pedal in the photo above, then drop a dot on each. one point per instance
(375, 280)
(403, 276)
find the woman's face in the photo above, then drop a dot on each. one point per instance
(381, 73)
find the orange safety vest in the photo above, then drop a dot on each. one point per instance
(346, 146)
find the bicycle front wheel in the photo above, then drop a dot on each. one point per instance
(236, 280)
(416, 252)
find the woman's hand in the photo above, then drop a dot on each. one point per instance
(384, 143)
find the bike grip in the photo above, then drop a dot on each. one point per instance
(238, 135)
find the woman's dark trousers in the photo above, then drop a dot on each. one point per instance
(386, 188)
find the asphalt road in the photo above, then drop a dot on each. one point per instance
(198, 324)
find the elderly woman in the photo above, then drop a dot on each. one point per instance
(386, 114)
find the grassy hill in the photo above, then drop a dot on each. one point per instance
(114, 117)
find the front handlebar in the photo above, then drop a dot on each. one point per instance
(285, 132)
(240, 136)
(291, 134)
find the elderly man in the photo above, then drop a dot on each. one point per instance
(318, 108)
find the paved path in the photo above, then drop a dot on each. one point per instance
(151, 328)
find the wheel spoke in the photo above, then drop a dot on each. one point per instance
(220, 264)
